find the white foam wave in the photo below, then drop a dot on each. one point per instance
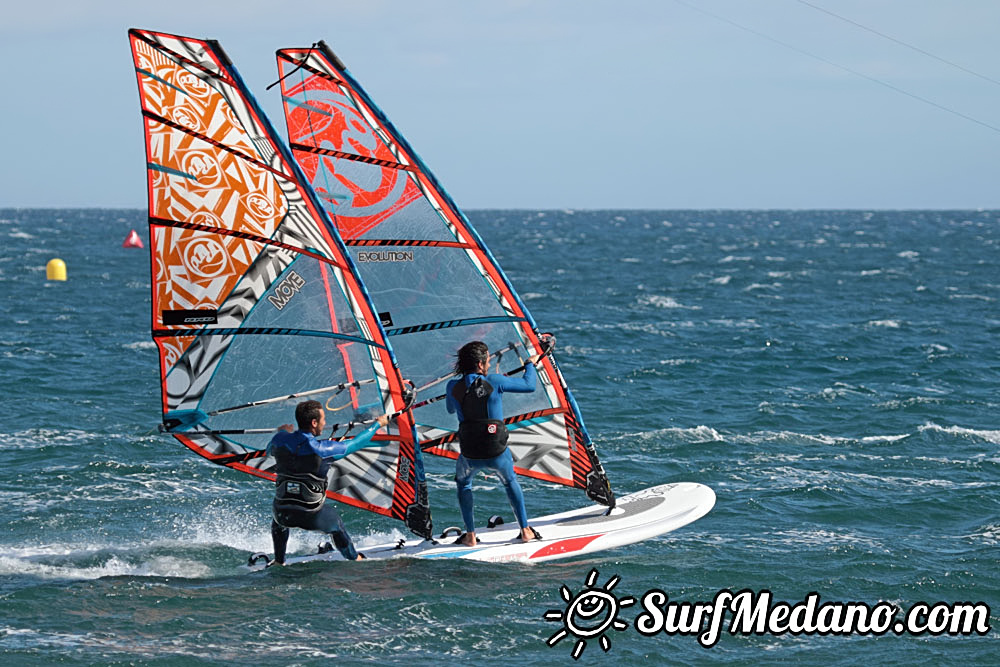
(989, 535)
(152, 485)
(113, 566)
(826, 537)
(888, 324)
(576, 350)
(27, 352)
(896, 404)
(660, 301)
(246, 530)
(834, 480)
(721, 280)
(141, 345)
(688, 435)
(363, 542)
(974, 297)
(761, 286)
(840, 390)
(708, 434)
(737, 324)
(947, 483)
(42, 437)
(20, 638)
(872, 439)
(792, 437)
(679, 362)
(759, 437)
(988, 435)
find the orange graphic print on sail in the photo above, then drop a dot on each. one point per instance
(329, 121)
(198, 176)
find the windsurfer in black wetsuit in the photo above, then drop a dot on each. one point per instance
(300, 488)
(475, 398)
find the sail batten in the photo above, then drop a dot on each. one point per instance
(209, 140)
(432, 326)
(265, 331)
(350, 156)
(407, 242)
(163, 222)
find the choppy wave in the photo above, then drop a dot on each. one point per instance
(704, 433)
(36, 438)
(691, 435)
(989, 535)
(988, 435)
(664, 302)
(94, 561)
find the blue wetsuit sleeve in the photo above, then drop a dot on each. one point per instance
(279, 439)
(518, 385)
(338, 449)
(449, 400)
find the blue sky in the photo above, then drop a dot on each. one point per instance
(557, 103)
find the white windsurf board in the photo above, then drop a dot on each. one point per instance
(636, 517)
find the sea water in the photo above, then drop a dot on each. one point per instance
(832, 375)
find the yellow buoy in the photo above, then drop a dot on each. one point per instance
(55, 270)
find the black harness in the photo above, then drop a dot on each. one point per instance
(301, 483)
(479, 437)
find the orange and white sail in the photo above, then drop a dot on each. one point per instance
(255, 304)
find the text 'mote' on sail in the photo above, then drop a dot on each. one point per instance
(434, 283)
(255, 304)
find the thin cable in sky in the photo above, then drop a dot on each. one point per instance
(839, 66)
(900, 42)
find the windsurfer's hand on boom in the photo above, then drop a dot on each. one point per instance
(286, 427)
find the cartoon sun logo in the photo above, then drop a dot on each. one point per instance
(589, 614)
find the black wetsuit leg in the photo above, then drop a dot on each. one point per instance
(279, 536)
(326, 520)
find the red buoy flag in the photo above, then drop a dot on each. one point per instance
(133, 240)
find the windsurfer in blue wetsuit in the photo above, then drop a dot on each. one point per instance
(476, 398)
(300, 488)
